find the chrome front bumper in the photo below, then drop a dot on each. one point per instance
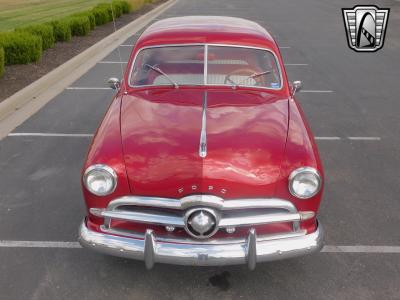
(248, 251)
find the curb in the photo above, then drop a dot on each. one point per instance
(26, 102)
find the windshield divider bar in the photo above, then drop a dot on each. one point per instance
(205, 63)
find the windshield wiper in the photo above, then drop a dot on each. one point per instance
(157, 69)
(255, 75)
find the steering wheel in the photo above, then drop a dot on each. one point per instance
(243, 72)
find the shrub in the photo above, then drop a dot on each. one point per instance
(106, 7)
(62, 30)
(45, 31)
(125, 6)
(80, 26)
(101, 15)
(88, 14)
(117, 8)
(1, 62)
(20, 47)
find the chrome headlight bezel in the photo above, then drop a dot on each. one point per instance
(107, 171)
(301, 171)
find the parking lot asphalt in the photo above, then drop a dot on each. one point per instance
(352, 103)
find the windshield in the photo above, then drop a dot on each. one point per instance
(226, 65)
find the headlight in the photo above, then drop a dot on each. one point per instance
(304, 182)
(100, 180)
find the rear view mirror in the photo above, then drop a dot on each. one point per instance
(114, 83)
(297, 85)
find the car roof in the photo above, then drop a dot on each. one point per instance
(206, 29)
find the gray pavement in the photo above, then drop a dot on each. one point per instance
(40, 194)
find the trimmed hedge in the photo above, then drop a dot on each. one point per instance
(62, 30)
(125, 6)
(107, 8)
(1, 62)
(45, 31)
(117, 8)
(20, 47)
(101, 15)
(26, 44)
(80, 26)
(88, 14)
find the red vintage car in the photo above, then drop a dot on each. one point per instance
(204, 157)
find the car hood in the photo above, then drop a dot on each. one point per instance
(246, 135)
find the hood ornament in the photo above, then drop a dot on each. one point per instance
(203, 134)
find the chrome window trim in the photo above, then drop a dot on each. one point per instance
(205, 64)
(206, 45)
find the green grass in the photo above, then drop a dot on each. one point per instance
(17, 13)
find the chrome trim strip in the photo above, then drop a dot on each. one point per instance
(147, 218)
(145, 201)
(203, 134)
(201, 200)
(178, 221)
(151, 250)
(205, 68)
(210, 241)
(165, 220)
(258, 219)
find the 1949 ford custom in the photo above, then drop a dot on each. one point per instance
(204, 156)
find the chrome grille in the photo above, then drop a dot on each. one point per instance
(171, 212)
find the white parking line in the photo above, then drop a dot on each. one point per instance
(112, 62)
(325, 249)
(39, 244)
(328, 138)
(364, 138)
(316, 91)
(87, 88)
(361, 249)
(50, 134)
(296, 64)
(353, 138)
